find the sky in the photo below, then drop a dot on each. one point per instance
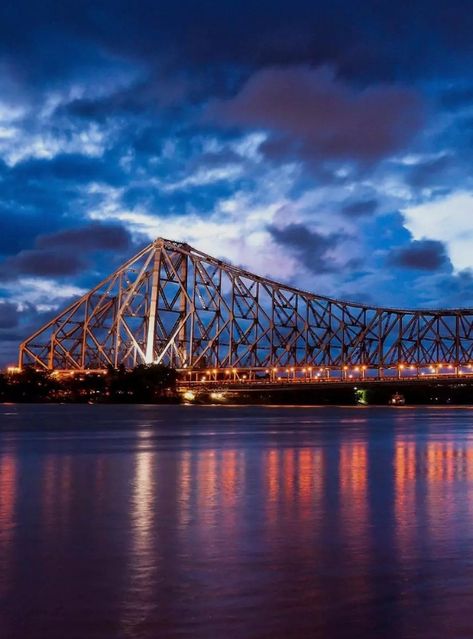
(327, 145)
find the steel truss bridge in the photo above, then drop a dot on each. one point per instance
(215, 322)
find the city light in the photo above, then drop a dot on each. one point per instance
(307, 374)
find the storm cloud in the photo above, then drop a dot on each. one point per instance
(313, 249)
(66, 253)
(424, 255)
(95, 236)
(312, 113)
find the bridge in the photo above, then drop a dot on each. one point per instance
(220, 325)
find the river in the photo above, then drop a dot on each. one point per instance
(235, 522)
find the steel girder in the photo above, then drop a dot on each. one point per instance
(173, 304)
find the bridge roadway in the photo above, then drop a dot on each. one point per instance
(262, 384)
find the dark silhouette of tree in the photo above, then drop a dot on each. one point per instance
(145, 383)
(149, 382)
(30, 385)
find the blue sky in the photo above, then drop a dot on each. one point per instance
(326, 145)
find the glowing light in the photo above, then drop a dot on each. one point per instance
(13, 369)
(189, 395)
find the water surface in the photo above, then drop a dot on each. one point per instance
(235, 522)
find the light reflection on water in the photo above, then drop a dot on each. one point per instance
(7, 517)
(235, 522)
(142, 558)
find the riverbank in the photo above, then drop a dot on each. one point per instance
(157, 384)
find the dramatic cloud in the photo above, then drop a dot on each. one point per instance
(93, 237)
(42, 263)
(9, 315)
(424, 255)
(65, 253)
(313, 114)
(447, 220)
(52, 43)
(359, 208)
(316, 252)
(317, 144)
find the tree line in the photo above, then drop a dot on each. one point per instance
(143, 384)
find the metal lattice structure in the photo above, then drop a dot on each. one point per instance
(175, 305)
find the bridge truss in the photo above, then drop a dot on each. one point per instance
(175, 305)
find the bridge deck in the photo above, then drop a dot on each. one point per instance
(292, 384)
